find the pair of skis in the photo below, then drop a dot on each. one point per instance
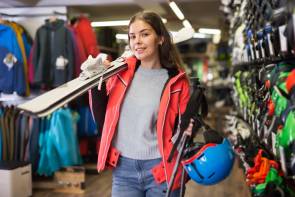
(50, 101)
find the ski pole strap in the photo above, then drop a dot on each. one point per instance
(197, 104)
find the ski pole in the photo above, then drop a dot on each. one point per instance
(182, 186)
(184, 139)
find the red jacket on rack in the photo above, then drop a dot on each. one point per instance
(174, 99)
(87, 36)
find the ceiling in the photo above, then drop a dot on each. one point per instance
(200, 13)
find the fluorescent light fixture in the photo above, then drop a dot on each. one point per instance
(122, 36)
(187, 24)
(115, 23)
(176, 10)
(164, 20)
(210, 76)
(199, 35)
(216, 39)
(110, 23)
(209, 31)
(173, 33)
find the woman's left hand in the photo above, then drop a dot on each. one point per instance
(189, 129)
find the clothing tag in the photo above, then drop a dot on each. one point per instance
(273, 140)
(257, 52)
(271, 50)
(258, 127)
(61, 63)
(283, 39)
(9, 60)
(282, 159)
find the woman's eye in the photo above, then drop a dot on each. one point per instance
(131, 37)
(145, 34)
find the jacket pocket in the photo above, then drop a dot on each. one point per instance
(113, 157)
(159, 173)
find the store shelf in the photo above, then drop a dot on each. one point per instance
(194, 55)
(260, 62)
(108, 49)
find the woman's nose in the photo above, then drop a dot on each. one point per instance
(137, 39)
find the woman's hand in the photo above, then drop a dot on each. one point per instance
(106, 63)
(189, 129)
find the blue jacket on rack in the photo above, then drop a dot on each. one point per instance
(12, 77)
(58, 143)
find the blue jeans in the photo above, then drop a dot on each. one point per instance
(133, 178)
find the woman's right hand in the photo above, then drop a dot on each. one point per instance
(106, 63)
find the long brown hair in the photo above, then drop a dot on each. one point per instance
(169, 56)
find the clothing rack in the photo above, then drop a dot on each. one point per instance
(260, 62)
(54, 13)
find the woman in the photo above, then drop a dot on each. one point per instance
(139, 110)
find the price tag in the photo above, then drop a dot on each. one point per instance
(282, 159)
(270, 46)
(283, 39)
(61, 62)
(273, 142)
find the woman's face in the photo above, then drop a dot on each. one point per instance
(144, 41)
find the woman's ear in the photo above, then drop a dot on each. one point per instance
(161, 40)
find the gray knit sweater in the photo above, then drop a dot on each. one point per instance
(136, 136)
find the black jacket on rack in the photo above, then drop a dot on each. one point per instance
(53, 54)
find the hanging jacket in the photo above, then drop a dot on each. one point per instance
(53, 54)
(173, 101)
(23, 45)
(87, 36)
(80, 53)
(11, 78)
(58, 143)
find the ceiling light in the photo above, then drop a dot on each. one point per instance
(176, 10)
(199, 35)
(187, 24)
(122, 36)
(110, 23)
(216, 38)
(164, 20)
(115, 23)
(209, 31)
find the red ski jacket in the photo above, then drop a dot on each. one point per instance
(174, 99)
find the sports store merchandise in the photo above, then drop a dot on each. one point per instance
(59, 50)
(263, 127)
(15, 46)
(39, 140)
(52, 58)
(239, 57)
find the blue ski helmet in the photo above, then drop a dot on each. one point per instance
(211, 163)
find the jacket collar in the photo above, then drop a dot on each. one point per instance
(134, 63)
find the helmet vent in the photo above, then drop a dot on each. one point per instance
(200, 156)
(197, 171)
(211, 175)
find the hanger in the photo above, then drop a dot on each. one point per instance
(1, 19)
(52, 18)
